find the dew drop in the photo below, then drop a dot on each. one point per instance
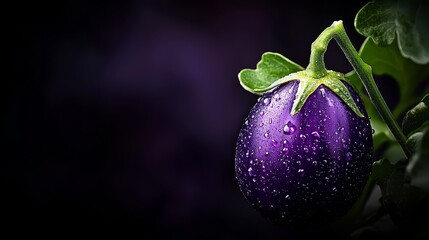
(322, 91)
(305, 149)
(270, 121)
(285, 143)
(315, 134)
(254, 180)
(373, 131)
(341, 129)
(287, 196)
(286, 129)
(266, 135)
(247, 153)
(262, 113)
(275, 143)
(266, 153)
(250, 171)
(302, 136)
(301, 172)
(277, 97)
(348, 156)
(261, 124)
(285, 150)
(289, 128)
(267, 101)
(314, 163)
(246, 122)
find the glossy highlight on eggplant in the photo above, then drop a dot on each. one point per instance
(308, 168)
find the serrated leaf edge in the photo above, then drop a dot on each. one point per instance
(257, 69)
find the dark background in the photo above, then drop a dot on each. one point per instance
(121, 117)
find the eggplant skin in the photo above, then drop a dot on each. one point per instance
(307, 169)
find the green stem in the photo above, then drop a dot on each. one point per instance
(316, 69)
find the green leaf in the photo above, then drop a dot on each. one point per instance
(417, 116)
(413, 142)
(403, 202)
(307, 86)
(305, 89)
(271, 68)
(394, 153)
(418, 168)
(378, 22)
(381, 171)
(406, 20)
(340, 89)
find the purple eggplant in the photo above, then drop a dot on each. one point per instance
(308, 168)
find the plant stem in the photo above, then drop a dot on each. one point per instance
(316, 69)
